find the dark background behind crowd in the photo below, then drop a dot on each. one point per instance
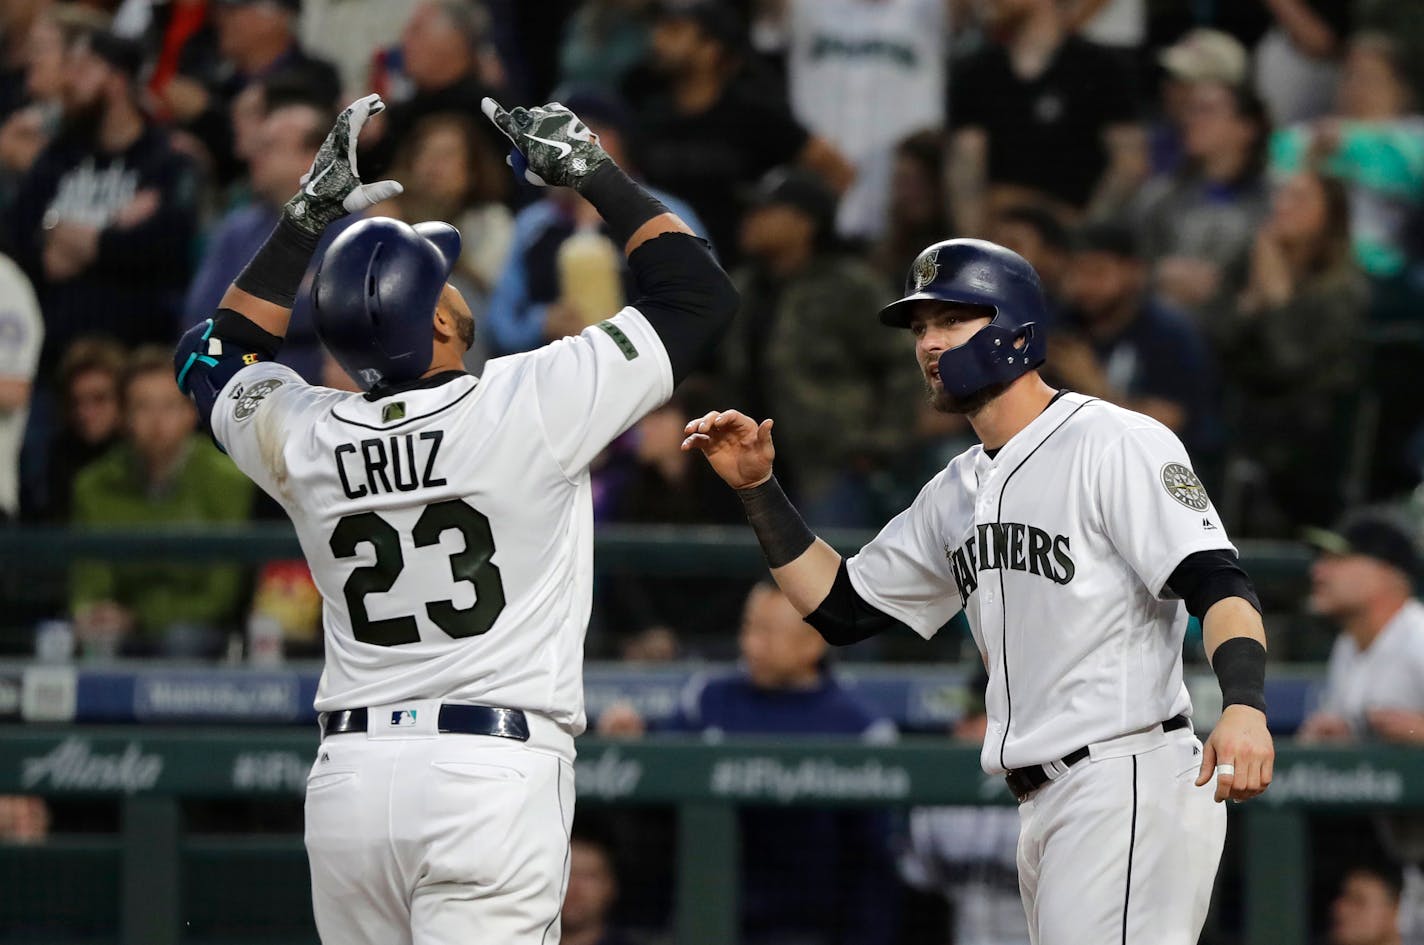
(1224, 200)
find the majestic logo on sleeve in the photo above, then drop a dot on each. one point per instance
(1013, 546)
(1183, 485)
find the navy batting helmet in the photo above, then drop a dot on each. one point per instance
(374, 296)
(976, 272)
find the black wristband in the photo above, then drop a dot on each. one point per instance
(1240, 666)
(623, 204)
(782, 532)
(237, 329)
(275, 273)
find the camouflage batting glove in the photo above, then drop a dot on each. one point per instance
(557, 147)
(332, 188)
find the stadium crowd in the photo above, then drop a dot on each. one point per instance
(1225, 202)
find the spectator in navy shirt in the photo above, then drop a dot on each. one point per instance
(809, 876)
(1121, 343)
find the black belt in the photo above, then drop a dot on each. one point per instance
(1024, 781)
(452, 719)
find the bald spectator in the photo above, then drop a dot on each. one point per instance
(1362, 580)
(21, 331)
(444, 48)
(809, 876)
(283, 146)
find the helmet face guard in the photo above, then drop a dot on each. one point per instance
(374, 297)
(980, 273)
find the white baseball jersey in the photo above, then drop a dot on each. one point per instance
(1388, 674)
(21, 331)
(450, 528)
(863, 74)
(1058, 549)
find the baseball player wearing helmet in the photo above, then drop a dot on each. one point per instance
(1076, 538)
(448, 523)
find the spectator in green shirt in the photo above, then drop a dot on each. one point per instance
(163, 473)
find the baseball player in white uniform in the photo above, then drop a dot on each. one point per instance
(447, 520)
(1076, 539)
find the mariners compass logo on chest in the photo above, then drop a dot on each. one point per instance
(1012, 546)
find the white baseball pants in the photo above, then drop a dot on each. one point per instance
(1122, 849)
(418, 838)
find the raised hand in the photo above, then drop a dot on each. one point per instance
(555, 147)
(332, 187)
(739, 449)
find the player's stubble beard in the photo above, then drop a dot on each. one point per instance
(465, 329)
(945, 402)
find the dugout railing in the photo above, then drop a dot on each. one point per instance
(139, 873)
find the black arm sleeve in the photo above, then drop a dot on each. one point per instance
(1205, 577)
(685, 296)
(844, 617)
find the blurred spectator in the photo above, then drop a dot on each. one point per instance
(1040, 91)
(283, 147)
(805, 351)
(648, 479)
(91, 420)
(24, 819)
(105, 218)
(808, 876)
(350, 33)
(163, 474)
(1123, 344)
(1040, 237)
(17, 18)
(1375, 141)
(592, 891)
(444, 48)
(26, 131)
(969, 855)
(719, 124)
(1297, 61)
(452, 174)
(864, 74)
(256, 41)
(1196, 225)
(1362, 580)
(1366, 912)
(21, 333)
(1120, 25)
(603, 41)
(918, 213)
(1291, 349)
(1202, 55)
(531, 304)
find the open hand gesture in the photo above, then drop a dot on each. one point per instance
(738, 448)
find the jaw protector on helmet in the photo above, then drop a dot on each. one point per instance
(987, 275)
(374, 297)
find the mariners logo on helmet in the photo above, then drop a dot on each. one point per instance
(926, 268)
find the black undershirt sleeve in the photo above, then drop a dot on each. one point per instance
(844, 617)
(1205, 577)
(685, 296)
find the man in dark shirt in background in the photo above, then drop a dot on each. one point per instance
(809, 876)
(1041, 116)
(719, 125)
(1121, 343)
